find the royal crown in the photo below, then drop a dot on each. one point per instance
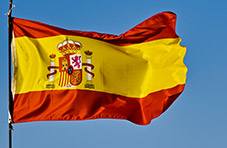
(69, 47)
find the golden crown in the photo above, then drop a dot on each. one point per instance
(69, 47)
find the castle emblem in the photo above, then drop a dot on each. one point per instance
(70, 66)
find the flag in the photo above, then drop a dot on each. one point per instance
(64, 74)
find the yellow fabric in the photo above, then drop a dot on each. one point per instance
(132, 71)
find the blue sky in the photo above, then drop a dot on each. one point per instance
(196, 119)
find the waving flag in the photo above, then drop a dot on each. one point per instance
(75, 75)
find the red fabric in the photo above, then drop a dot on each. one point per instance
(83, 105)
(158, 26)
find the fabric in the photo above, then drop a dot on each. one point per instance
(76, 75)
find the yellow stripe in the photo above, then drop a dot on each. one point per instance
(132, 71)
(63, 79)
(67, 80)
(60, 79)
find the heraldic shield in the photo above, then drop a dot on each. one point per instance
(70, 68)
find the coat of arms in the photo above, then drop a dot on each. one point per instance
(70, 65)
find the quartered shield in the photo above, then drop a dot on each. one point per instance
(70, 68)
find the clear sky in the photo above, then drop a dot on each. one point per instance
(198, 118)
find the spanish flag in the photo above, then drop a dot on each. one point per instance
(64, 74)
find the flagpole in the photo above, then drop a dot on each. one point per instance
(9, 68)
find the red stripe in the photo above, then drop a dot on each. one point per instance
(61, 78)
(158, 26)
(83, 105)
